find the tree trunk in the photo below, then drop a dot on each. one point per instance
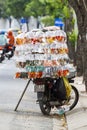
(85, 60)
(79, 61)
(68, 28)
(80, 8)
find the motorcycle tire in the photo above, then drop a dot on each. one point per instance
(44, 106)
(2, 58)
(75, 98)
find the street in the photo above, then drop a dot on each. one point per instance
(28, 115)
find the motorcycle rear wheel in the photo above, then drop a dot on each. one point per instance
(71, 103)
(44, 106)
(74, 97)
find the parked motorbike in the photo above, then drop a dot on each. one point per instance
(48, 96)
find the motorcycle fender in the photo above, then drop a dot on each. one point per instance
(39, 88)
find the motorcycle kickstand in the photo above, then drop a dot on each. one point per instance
(22, 95)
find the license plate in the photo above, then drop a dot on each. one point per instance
(39, 88)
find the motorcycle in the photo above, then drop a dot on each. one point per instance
(48, 96)
(6, 51)
(9, 51)
(1, 56)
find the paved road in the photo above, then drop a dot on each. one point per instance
(28, 115)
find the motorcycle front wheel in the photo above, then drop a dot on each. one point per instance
(44, 105)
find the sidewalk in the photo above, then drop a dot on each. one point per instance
(77, 118)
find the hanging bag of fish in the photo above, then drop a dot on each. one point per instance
(39, 71)
(31, 71)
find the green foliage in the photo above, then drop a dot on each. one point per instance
(48, 20)
(66, 12)
(45, 7)
(16, 8)
(3, 7)
(26, 8)
(73, 21)
(35, 8)
(72, 37)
